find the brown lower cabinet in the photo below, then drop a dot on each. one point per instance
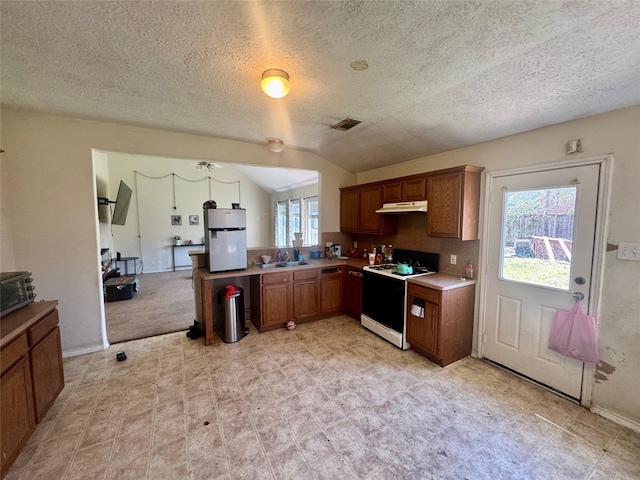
(444, 333)
(18, 416)
(32, 375)
(276, 299)
(353, 292)
(331, 290)
(306, 294)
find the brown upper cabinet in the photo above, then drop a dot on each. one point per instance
(350, 209)
(453, 197)
(410, 189)
(358, 207)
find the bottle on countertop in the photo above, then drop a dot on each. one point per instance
(468, 271)
(388, 253)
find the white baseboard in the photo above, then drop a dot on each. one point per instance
(616, 418)
(84, 350)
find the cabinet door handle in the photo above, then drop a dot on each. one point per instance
(354, 273)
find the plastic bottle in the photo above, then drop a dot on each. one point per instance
(468, 271)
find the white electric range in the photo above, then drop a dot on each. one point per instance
(384, 294)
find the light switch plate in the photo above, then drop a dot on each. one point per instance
(629, 251)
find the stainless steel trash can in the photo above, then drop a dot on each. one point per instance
(233, 326)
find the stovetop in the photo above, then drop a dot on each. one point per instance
(389, 269)
(423, 263)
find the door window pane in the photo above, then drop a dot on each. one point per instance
(537, 236)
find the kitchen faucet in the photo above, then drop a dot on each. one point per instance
(282, 257)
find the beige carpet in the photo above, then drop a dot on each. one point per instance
(164, 303)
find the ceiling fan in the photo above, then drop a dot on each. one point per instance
(208, 165)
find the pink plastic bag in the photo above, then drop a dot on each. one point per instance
(575, 335)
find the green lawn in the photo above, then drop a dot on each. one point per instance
(535, 270)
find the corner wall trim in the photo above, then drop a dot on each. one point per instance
(616, 418)
(84, 350)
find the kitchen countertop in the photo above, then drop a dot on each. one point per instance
(257, 270)
(442, 281)
(438, 281)
(15, 323)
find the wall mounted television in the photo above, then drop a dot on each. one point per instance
(122, 204)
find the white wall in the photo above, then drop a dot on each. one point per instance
(101, 166)
(618, 133)
(148, 232)
(51, 202)
(6, 238)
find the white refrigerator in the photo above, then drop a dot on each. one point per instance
(225, 238)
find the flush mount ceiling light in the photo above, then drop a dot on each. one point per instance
(275, 145)
(275, 83)
(208, 165)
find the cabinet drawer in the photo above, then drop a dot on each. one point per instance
(13, 352)
(309, 274)
(43, 327)
(273, 278)
(331, 271)
(427, 294)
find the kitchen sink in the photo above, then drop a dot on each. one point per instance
(283, 264)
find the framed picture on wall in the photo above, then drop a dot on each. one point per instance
(194, 220)
(176, 219)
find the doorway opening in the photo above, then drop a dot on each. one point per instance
(165, 222)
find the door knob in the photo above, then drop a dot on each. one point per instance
(577, 296)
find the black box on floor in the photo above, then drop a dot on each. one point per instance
(121, 288)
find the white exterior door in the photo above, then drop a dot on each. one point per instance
(540, 244)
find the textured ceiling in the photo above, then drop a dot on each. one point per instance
(442, 74)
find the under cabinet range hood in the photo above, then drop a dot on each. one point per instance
(403, 207)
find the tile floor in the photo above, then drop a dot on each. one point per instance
(327, 401)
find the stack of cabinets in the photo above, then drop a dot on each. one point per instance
(299, 295)
(358, 207)
(453, 197)
(32, 377)
(444, 333)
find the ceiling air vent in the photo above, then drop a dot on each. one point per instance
(346, 124)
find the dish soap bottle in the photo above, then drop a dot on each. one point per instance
(468, 271)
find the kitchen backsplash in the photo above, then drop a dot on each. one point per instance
(412, 235)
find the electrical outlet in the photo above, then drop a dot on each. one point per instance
(355, 244)
(629, 251)
(453, 260)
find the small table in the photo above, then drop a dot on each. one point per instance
(126, 260)
(181, 254)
